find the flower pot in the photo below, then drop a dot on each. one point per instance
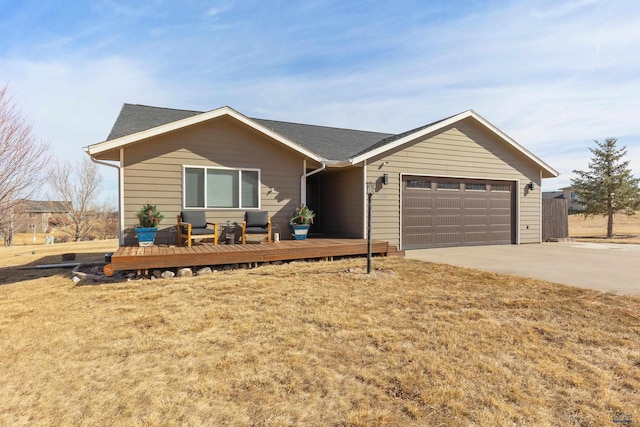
(146, 235)
(299, 231)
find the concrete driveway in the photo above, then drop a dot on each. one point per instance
(613, 268)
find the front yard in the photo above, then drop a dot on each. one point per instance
(316, 344)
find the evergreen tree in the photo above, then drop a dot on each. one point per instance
(608, 186)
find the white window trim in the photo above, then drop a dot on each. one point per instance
(184, 192)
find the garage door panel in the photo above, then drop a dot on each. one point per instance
(455, 212)
(419, 202)
(447, 203)
(476, 220)
(498, 220)
(475, 203)
(419, 239)
(501, 237)
(476, 237)
(447, 239)
(447, 220)
(418, 221)
(501, 204)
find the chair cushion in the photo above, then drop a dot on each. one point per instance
(201, 231)
(257, 230)
(197, 219)
(256, 218)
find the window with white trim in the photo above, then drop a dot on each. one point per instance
(221, 188)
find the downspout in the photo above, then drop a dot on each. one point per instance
(120, 213)
(303, 181)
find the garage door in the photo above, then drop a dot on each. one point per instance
(438, 212)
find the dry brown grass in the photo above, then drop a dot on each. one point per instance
(21, 255)
(626, 229)
(307, 344)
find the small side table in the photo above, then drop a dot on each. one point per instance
(229, 233)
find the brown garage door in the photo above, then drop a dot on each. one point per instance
(439, 212)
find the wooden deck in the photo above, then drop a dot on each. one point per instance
(144, 258)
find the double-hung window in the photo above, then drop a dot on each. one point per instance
(221, 188)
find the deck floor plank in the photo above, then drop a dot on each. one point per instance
(137, 258)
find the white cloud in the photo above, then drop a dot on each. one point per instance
(553, 77)
(214, 11)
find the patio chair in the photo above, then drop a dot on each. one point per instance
(194, 225)
(256, 222)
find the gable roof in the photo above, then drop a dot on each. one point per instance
(328, 142)
(407, 137)
(331, 145)
(135, 121)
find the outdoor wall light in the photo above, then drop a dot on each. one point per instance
(385, 179)
(531, 186)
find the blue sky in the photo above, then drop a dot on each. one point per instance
(554, 75)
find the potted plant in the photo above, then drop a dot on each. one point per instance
(300, 222)
(149, 217)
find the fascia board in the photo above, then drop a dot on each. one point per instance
(440, 125)
(189, 121)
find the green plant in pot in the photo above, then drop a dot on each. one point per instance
(300, 222)
(149, 217)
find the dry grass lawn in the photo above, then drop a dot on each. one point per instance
(626, 229)
(309, 344)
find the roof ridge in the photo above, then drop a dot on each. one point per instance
(321, 126)
(259, 118)
(164, 108)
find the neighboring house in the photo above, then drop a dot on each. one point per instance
(457, 181)
(36, 214)
(565, 193)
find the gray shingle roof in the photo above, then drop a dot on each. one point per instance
(330, 143)
(36, 206)
(136, 118)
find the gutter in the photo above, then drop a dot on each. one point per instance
(120, 213)
(303, 182)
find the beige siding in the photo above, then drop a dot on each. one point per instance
(464, 149)
(342, 205)
(153, 171)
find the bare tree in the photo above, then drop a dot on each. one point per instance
(23, 162)
(12, 221)
(77, 187)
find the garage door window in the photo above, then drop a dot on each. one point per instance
(500, 187)
(448, 186)
(419, 183)
(475, 187)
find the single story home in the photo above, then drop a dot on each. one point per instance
(457, 181)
